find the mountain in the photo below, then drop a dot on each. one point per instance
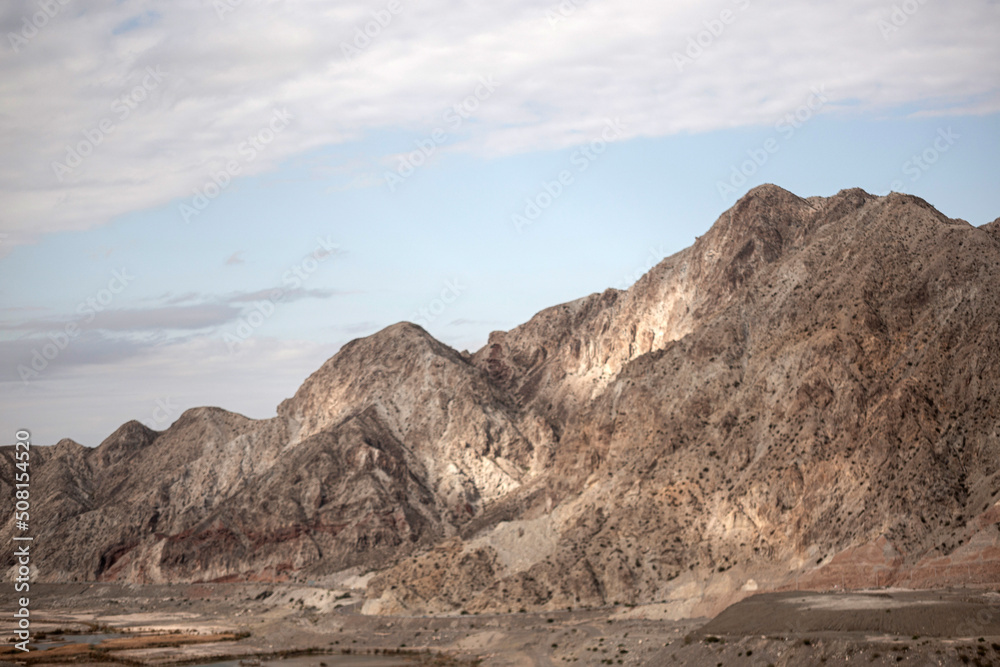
(806, 397)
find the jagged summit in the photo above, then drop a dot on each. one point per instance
(129, 434)
(992, 228)
(128, 439)
(67, 444)
(810, 393)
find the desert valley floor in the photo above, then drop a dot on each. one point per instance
(298, 625)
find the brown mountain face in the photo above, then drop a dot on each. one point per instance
(807, 396)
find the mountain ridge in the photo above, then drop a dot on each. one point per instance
(810, 384)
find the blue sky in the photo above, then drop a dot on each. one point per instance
(203, 201)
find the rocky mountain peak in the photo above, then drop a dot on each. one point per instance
(68, 445)
(807, 395)
(128, 439)
(993, 229)
(376, 371)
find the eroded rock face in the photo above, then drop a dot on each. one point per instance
(807, 396)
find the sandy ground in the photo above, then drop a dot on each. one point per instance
(278, 621)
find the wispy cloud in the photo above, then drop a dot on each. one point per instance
(113, 336)
(137, 319)
(167, 93)
(184, 312)
(284, 294)
(102, 383)
(87, 349)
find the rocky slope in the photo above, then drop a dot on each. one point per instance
(807, 396)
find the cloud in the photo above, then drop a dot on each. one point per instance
(190, 311)
(198, 316)
(20, 309)
(154, 384)
(282, 294)
(161, 100)
(40, 358)
(40, 349)
(194, 317)
(174, 299)
(235, 258)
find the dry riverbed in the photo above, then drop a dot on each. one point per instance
(290, 625)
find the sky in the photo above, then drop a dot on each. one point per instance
(203, 200)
